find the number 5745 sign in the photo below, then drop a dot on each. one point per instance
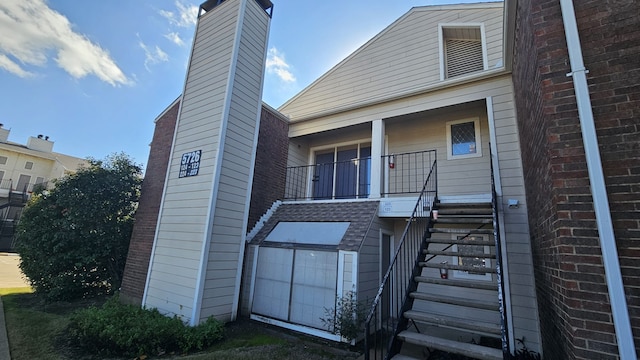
(190, 164)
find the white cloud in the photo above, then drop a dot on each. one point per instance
(32, 31)
(153, 55)
(175, 38)
(276, 64)
(12, 67)
(186, 16)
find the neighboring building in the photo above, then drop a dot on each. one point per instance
(430, 180)
(23, 167)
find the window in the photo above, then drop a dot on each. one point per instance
(463, 139)
(3, 160)
(28, 165)
(462, 50)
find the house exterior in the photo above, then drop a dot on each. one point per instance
(437, 176)
(23, 167)
(430, 89)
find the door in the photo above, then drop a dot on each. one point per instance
(323, 176)
(23, 183)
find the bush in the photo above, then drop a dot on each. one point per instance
(347, 318)
(73, 239)
(116, 329)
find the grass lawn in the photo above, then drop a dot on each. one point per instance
(36, 331)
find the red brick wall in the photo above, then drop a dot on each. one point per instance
(271, 162)
(135, 271)
(574, 306)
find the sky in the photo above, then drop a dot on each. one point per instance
(93, 75)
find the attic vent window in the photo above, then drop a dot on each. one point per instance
(3, 160)
(28, 165)
(462, 51)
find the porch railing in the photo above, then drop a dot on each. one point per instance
(385, 319)
(406, 171)
(403, 173)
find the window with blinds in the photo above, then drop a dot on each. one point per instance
(462, 51)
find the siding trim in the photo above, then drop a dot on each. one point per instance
(503, 236)
(166, 177)
(245, 217)
(204, 260)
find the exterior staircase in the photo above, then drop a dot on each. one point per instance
(456, 307)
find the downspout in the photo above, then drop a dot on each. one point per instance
(619, 309)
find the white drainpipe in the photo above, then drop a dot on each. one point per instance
(619, 309)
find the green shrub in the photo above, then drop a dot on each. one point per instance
(117, 329)
(73, 239)
(347, 318)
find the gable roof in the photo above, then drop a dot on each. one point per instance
(403, 56)
(358, 213)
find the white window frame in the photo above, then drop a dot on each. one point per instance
(476, 126)
(483, 40)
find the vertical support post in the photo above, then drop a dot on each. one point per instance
(377, 150)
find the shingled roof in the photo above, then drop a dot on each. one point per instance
(358, 213)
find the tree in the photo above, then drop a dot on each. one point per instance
(73, 239)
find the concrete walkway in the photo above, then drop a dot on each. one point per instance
(10, 277)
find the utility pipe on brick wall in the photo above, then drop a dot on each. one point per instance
(619, 309)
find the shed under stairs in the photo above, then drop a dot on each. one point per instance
(456, 306)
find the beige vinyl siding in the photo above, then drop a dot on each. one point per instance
(234, 182)
(427, 131)
(369, 278)
(403, 56)
(198, 129)
(516, 226)
(477, 90)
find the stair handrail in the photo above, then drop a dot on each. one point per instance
(397, 285)
(500, 280)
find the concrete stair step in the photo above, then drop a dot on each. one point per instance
(436, 265)
(460, 231)
(452, 300)
(492, 330)
(446, 219)
(455, 347)
(459, 254)
(467, 241)
(469, 284)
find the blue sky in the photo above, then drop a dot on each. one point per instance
(93, 75)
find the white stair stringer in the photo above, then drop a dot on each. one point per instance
(263, 220)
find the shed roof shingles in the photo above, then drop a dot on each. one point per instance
(358, 213)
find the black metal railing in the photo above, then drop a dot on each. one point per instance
(403, 173)
(335, 180)
(385, 319)
(6, 184)
(499, 277)
(407, 171)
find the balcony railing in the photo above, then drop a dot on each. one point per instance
(12, 186)
(403, 173)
